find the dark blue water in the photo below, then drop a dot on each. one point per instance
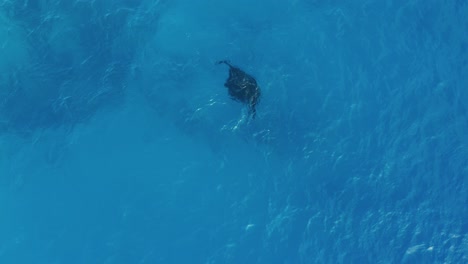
(120, 144)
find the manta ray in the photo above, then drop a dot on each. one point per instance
(242, 87)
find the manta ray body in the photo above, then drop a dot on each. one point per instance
(242, 87)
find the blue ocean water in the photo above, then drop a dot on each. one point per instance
(120, 144)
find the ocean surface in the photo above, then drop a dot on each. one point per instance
(119, 142)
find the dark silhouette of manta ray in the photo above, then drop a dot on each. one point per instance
(242, 87)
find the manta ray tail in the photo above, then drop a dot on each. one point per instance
(228, 63)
